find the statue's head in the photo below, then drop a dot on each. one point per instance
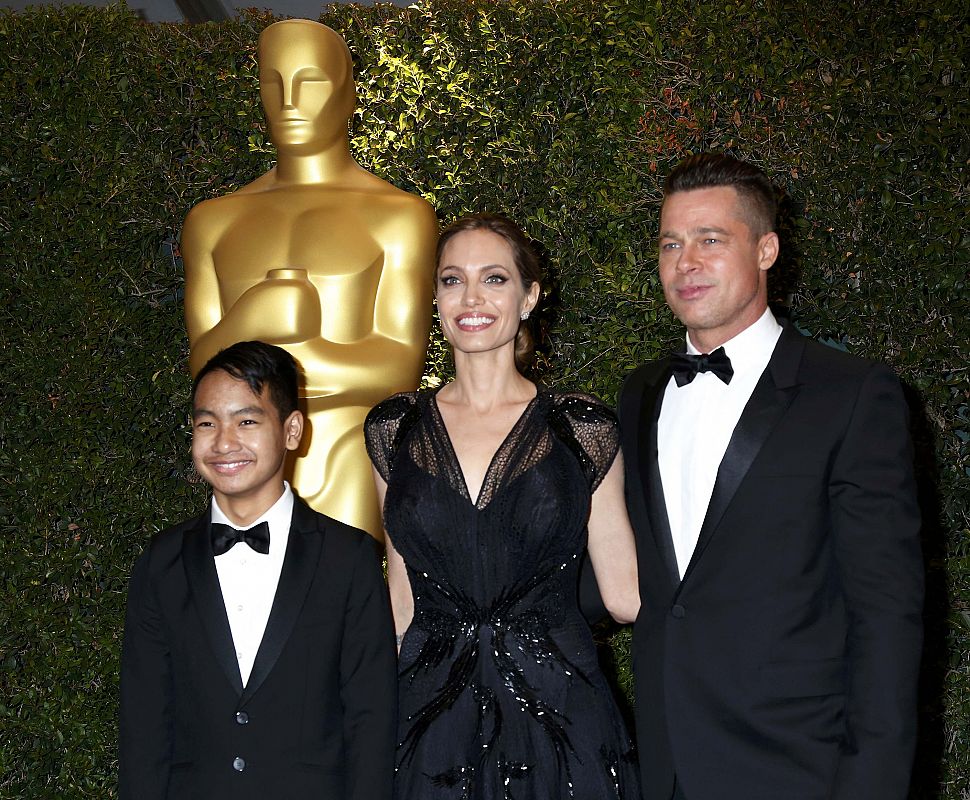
(306, 83)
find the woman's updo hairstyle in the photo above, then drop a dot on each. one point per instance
(526, 262)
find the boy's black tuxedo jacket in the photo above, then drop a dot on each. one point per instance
(317, 717)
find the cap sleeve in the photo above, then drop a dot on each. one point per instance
(589, 427)
(385, 428)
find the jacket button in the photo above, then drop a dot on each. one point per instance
(678, 611)
(238, 764)
(242, 718)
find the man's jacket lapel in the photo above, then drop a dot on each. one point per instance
(649, 467)
(770, 399)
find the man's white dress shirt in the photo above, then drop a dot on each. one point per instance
(695, 427)
(249, 579)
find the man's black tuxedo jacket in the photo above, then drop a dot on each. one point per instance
(317, 717)
(784, 665)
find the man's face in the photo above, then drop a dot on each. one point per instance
(305, 85)
(712, 266)
(239, 444)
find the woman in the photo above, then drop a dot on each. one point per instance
(488, 487)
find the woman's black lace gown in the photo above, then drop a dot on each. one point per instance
(500, 693)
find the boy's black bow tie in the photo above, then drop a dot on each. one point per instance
(225, 536)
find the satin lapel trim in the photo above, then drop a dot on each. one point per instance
(770, 399)
(649, 463)
(303, 549)
(203, 580)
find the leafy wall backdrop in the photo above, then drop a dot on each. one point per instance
(565, 115)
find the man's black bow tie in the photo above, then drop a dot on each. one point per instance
(225, 536)
(686, 366)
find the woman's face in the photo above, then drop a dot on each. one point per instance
(479, 292)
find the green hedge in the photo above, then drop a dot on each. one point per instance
(564, 115)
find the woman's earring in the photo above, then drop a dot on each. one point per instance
(524, 315)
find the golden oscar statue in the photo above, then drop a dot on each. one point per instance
(321, 257)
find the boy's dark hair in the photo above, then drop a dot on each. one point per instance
(259, 364)
(710, 170)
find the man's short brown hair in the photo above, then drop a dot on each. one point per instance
(710, 170)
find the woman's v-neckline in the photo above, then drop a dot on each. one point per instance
(488, 476)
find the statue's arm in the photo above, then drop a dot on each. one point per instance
(403, 311)
(203, 303)
(390, 358)
(280, 311)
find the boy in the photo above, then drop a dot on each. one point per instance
(259, 657)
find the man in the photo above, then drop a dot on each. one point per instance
(259, 657)
(770, 486)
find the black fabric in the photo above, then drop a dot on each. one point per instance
(317, 715)
(500, 691)
(225, 537)
(785, 663)
(686, 366)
